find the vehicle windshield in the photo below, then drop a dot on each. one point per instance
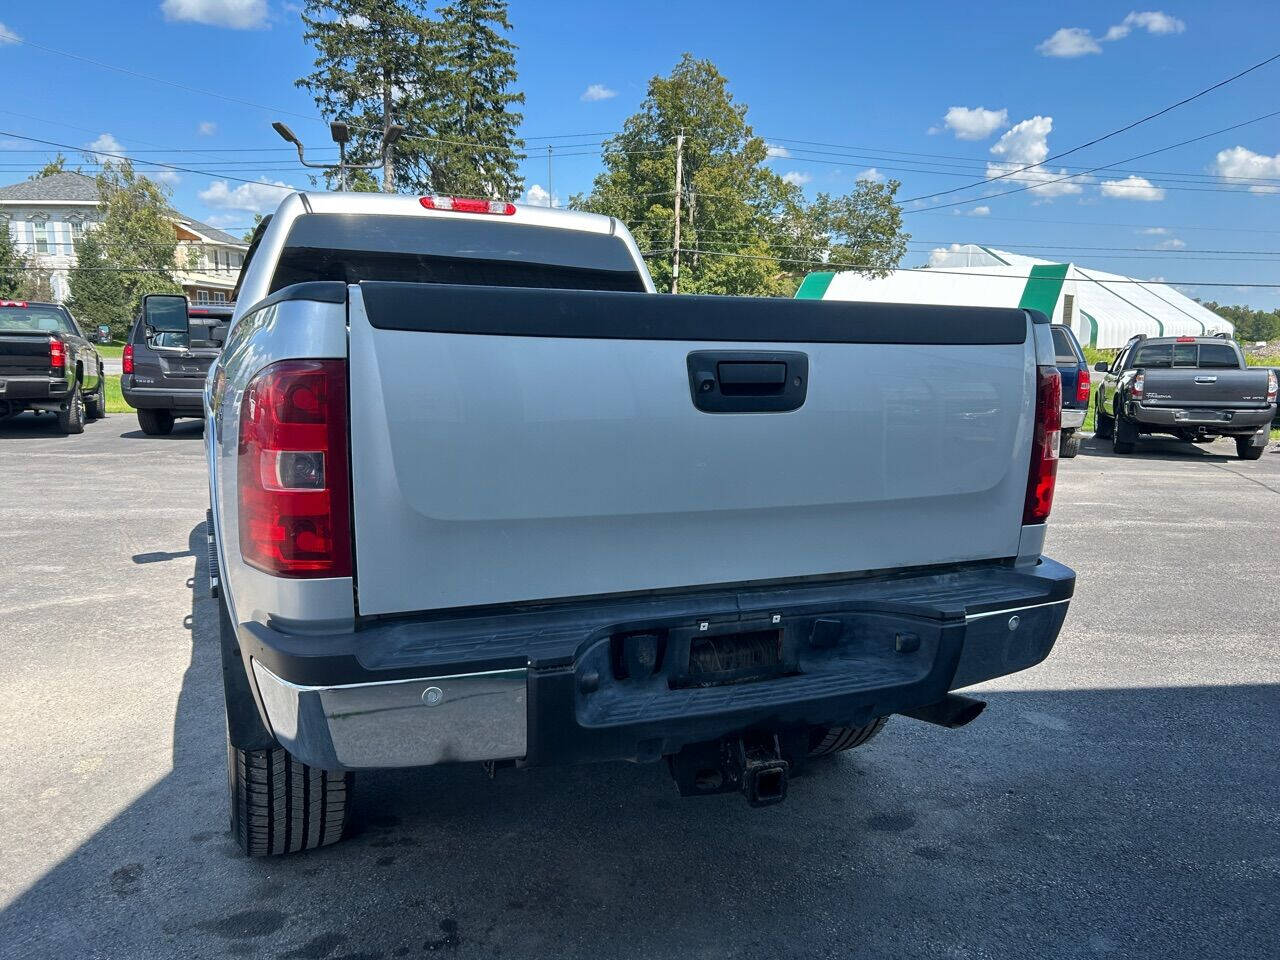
(35, 319)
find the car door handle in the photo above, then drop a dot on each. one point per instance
(742, 381)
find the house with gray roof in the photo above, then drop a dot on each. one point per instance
(47, 215)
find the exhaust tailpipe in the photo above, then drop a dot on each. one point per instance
(952, 711)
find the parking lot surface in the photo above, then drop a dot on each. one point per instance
(1122, 799)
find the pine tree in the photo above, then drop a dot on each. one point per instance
(377, 64)
(13, 266)
(478, 115)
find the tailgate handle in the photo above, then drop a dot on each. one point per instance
(742, 381)
(1206, 379)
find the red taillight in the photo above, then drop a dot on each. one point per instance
(1186, 340)
(1044, 446)
(1083, 383)
(295, 489)
(1271, 386)
(126, 359)
(13, 303)
(468, 205)
(1138, 387)
(57, 354)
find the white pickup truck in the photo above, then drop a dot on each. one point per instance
(479, 494)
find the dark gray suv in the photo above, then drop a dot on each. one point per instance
(163, 372)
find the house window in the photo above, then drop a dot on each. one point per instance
(219, 297)
(40, 233)
(202, 296)
(77, 230)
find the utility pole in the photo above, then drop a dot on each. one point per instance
(551, 190)
(675, 256)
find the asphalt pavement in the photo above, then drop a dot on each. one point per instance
(1120, 800)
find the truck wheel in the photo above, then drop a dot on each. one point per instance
(1103, 424)
(155, 423)
(71, 418)
(1245, 449)
(96, 405)
(281, 805)
(1070, 444)
(824, 741)
(1124, 435)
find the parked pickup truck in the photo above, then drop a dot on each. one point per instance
(48, 364)
(479, 494)
(1074, 371)
(1194, 388)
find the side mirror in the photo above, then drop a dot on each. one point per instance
(165, 313)
(1101, 366)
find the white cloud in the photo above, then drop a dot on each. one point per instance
(1173, 243)
(773, 150)
(1154, 231)
(107, 144)
(871, 174)
(235, 14)
(7, 35)
(939, 254)
(207, 128)
(975, 123)
(1069, 42)
(1242, 162)
(1026, 144)
(169, 177)
(597, 91)
(357, 20)
(261, 197)
(797, 177)
(1132, 188)
(979, 211)
(537, 196)
(1152, 21)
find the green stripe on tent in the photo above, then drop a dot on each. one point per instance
(814, 286)
(1043, 287)
(991, 253)
(1093, 329)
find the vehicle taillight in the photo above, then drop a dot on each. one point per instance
(1271, 386)
(1083, 383)
(1043, 473)
(13, 303)
(1138, 386)
(468, 205)
(57, 354)
(295, 489)
(1186, 339)
(126, 359)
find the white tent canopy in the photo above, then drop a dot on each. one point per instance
(1104, 309)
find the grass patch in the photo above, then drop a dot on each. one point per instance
(113, 350)
(115, 399)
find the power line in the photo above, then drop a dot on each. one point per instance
(1105, 136)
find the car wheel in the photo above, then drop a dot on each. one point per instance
(824, 741)
(96, 405)
(1245, 449)
(1070, 444)
(155, 423)
(1124, 435)
(1103, 424)
(71, 417)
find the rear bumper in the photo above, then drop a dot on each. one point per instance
(541, 685)
(183, 402)
(1072, 419)
(1213, 419)
(33, 388)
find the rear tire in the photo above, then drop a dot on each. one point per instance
(155, 423)
(1245, 449)
(71, 418)
(1124, 435)
(96, 406)
(1070, 444)
(824, 741)
(281, 805)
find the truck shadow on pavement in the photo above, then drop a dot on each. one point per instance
(1057, 824)
(1159, 448)
(182, 430)
(32, 426)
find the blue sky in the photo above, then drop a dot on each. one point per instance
(934, 94)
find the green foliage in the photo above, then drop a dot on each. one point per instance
(57, 165)
(130, 253)
(248, 234)
(1250, 324)
(744, 229)
(445, 79)
(13, 267)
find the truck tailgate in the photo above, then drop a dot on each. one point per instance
(24, 354)
(1206, 386)
(512, 445)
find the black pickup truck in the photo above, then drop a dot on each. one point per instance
(48, 364)
(1193, 388)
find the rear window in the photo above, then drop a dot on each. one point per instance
(1153, 355)
(1064, 347)
(1218, 355)
(355, 247)
(35, 319)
